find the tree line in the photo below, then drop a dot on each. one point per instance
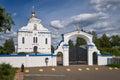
(106, 44)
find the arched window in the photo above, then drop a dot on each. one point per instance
(33, 39)
(36, 40)
(46, 41)
(23, 40)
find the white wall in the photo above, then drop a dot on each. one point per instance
(102, 60)
(28, 61)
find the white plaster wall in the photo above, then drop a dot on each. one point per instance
(87, 37)
(28, 61)
(14, 61)
(29, 45)
(66, 56)
(102, 60)
(60, 48)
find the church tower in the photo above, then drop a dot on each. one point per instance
(34, 37)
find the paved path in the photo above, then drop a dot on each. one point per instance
(72, 73)
(19, 75)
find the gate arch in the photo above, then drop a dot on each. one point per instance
(64, 46)
(86, 37)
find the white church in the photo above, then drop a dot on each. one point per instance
(35, 40)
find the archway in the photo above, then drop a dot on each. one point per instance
(60, 58)
(64, 46)
(35, 49)
(95, 58)
(77, 51)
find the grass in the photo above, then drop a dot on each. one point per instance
(113, 65)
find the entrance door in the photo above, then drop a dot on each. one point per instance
(78, 55)
(35, 49)
(95, 58)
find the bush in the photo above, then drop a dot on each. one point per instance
(22, 53)
(114, 65)
(7, 72)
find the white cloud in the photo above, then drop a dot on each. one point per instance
(55, 34)
(56, 24)
(104, 5)
(82, 19)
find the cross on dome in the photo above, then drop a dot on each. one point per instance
(33, 13)
(77, 26)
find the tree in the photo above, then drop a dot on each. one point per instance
(94, 35)
(105, 43)
(115, 40)
(9, 46)
(80, 41)
(6, 20)
(71, 45)
(52, 49)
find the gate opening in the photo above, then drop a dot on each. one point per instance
(60, 59)
(78, 52)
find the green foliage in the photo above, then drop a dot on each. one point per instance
(6, 20)
(113, 65)
(59, 54)
(7, 72)
(80, 41)
(9, 46)
(94, 35)
(71, 45)
(23, 53)
(52, 49)
(109, 45)
(115, 40)
(105, 43)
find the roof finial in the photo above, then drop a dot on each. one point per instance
(77, 26)
(33, 12)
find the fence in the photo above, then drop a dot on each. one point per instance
(113, 60)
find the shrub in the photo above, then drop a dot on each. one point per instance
(7, 72)
(114, 65)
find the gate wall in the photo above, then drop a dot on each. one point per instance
(64, 46)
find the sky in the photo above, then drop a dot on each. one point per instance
(61, 16)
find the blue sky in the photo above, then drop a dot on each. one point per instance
(60, 16)
(47, 10)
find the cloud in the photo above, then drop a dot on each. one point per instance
(55, 34)
(56, 24)
(83, 19)
(14, 14)
(8, 35)
(104, 5)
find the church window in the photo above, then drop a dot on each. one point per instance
(46, 41)
(35, 27)
(35, 39)
(23, 40)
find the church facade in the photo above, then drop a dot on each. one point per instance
(34, 38)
